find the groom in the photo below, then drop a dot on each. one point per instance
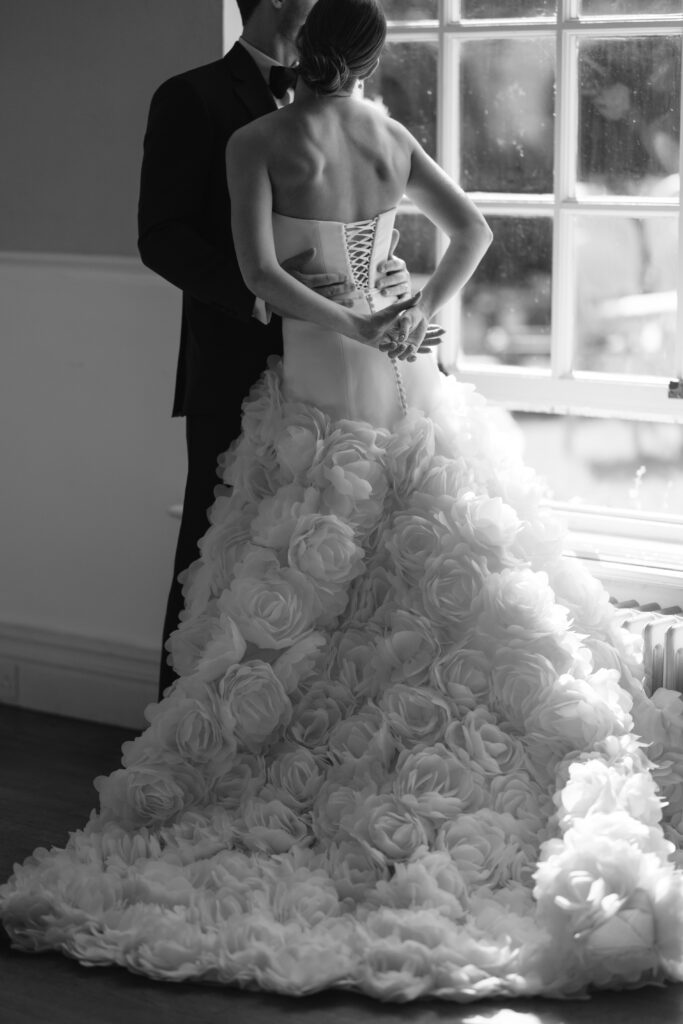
(184, 235)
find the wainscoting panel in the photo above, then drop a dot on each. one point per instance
(76, 676)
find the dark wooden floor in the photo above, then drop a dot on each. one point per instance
(46, 767)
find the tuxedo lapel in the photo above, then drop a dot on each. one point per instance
(248, 83)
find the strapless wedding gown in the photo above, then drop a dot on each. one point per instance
(410, 751)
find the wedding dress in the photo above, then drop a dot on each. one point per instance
(410, 751)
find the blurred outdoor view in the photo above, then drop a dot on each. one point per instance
(625, 263)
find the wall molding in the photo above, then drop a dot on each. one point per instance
(79, 677)
(128, 266)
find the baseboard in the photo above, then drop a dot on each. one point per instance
(79, 677)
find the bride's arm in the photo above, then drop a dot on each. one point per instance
(252, 228)
(451, 210)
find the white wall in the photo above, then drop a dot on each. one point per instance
(90, 459)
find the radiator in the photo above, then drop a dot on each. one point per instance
(662, 632)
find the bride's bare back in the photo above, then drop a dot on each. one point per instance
(342, 159)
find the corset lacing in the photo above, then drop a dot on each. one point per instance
(359, 240)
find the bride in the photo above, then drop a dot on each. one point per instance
(409, 751)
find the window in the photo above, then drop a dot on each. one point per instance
(561, 118)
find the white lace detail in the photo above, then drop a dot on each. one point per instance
(359, 241)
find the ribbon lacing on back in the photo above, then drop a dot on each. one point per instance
(359, 239)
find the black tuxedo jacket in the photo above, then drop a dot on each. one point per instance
(185, 235)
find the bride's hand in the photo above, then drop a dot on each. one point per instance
(405, 339)
(373, 329)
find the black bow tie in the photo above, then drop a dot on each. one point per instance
(280, 79)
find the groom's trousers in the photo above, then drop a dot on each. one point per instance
(207, 436)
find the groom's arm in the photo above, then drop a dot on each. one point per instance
(179, 147)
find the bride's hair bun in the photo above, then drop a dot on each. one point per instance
(340, 41)
(325, 73)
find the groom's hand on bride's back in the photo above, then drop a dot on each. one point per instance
(331, 286)
(392, 281)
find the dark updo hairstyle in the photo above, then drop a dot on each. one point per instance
(340, 41)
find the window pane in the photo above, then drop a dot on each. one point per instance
(623, 464)
(405, 84)
(626, 294)
(508, 8)
(411, 10)
(506, 304)
(506, 107)
(631, 7)
(629, 116)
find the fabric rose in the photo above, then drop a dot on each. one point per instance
(233, 780)
(431, 882)
(269, 826)
(150, 793)
(298, 661)
(519, 680)
(609, 901)
(350, 475)
(518, 604)
(334, 803)
(594, 788)
(370, 596)
(435, 783)
(251, 470)
(448, 589)
(407, 651)
(273, 609)
(316, 713)
(486, 848)
(387, 825)
(415, 715)
(462, 675)
(277, 516)
(409, 451)
(352, 662)
(188, 727)
(576, 714)
(300, 439)
(262, 409)
(490, 747)
(414, 537)
(365, 734)
(224, 542)
(354, 869)
(519, 796)
(294, 777)
(253, 704)
(186, 644)
(323, 547)
(224, 646)
(483, 522)
(446, 477)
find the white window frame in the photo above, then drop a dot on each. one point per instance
(560, 389)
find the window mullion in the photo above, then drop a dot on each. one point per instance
(678, 356)
(563, 267)
(448, 150)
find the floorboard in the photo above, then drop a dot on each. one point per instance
(47, 765)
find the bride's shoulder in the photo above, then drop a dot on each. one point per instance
(253, 138)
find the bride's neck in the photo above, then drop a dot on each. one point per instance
(304, 94)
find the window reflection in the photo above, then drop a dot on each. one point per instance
(506, 304)
(405, 85)
(625, 464)
(411, 10)
(626, 294)
(507, 105)
(508, 8)
(622, 7)
(629, 116)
